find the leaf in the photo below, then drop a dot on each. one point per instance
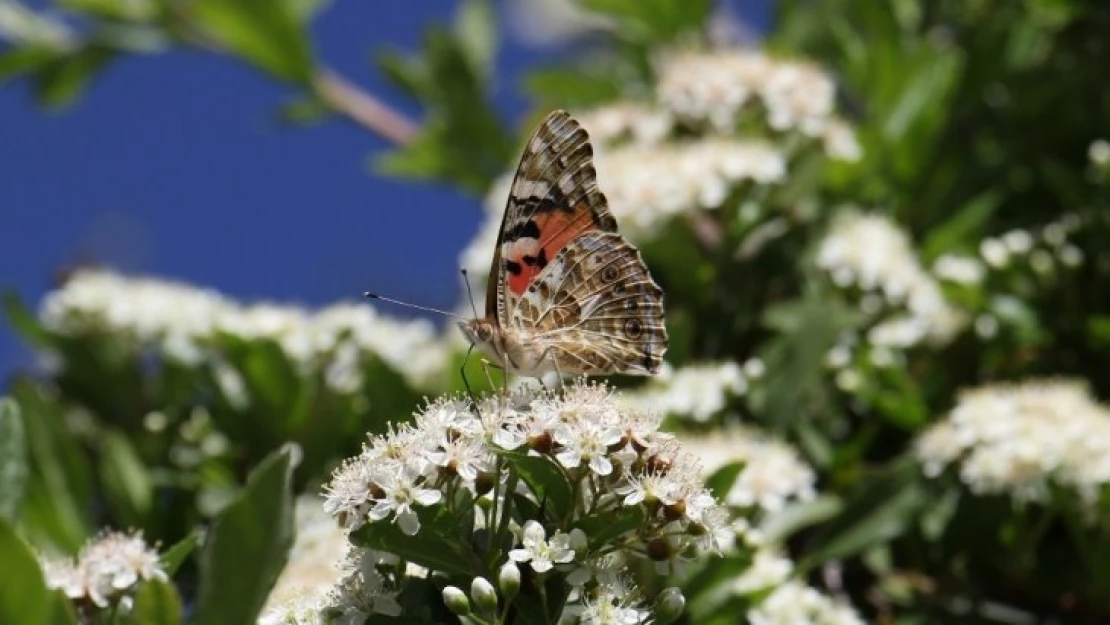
(653, 20)
(266, 33)
(780, 525)
(127, 482)
(172, 558)
(122, 10)
(61, 81)
(720, 481)
(156, 603)
(547, 482)
(438, 546)
(926, 87)
(24, 322)
(13, 459)
(248, 545)
(571, 87)
(476, 30)
(56, 506)
(964, 226)
(24, 597)
(881, 510)
(602, 528)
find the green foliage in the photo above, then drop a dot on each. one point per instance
(248, 545)
(977, 124)
(13, 459)
(266, 33)
(461, 141)
(156, 603)
(24, 597)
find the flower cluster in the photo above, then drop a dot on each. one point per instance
(1043, 249)
(106, 572)
(615, 462)
(696, 392)
(781, 599)
(183, 323)
(870, 253)
(1022, 440)
(772, 471)
(718, 87)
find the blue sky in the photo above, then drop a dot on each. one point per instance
(172, 165)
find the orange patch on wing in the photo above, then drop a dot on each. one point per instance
(557, 229)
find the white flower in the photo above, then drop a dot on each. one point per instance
(871, 253)
(794, 603)
(108, 569)
(1021, 439)
(541, 554)
(696, 392)
(183, 323)
(959, 269)
(587, 442)
(716, 87)
(400, 495)
(767, 570)
(1099, 152)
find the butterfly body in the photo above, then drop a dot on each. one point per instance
(566, 292)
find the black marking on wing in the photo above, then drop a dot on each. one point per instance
(524, 230)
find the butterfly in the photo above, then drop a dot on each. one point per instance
(566, 292)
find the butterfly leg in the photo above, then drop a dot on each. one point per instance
(462, 372)
(486, 365)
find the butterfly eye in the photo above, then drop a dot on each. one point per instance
(633, 329)
(609, 273)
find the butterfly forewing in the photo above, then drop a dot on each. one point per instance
(566, 291)
(553, 199)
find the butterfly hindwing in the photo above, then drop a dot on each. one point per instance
(595, 309)
(554, 199)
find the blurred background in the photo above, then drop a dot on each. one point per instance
(170, 164)
(880, 228)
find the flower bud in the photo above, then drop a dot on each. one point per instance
(456, 601)
(508, 580)
(483, 595)
(669, 606)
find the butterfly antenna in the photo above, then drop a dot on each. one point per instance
(469, 293)
(370, 295)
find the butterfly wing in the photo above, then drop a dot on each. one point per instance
(554, 198)
(594, 309)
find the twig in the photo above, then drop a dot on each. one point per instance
(364, 109)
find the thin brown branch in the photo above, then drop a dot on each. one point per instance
(364, 109)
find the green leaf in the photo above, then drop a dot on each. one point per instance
(56, 506)
(24, 597)
(546, 480)
(127, 482)
(123, 10)
(13, 459)
(965, 226)
(60, 82)
(571, 87)
(438, 546)
(934, 77)
(653, 20)
(882, 509)
(476, 30)
(23, 321)
(779, 526)
(720, 481)
(602, 528)
(172, 558)
(248, 546)
(17, 61)
(156, 603)
(266, 33)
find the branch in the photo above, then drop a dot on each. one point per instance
(364, 109)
